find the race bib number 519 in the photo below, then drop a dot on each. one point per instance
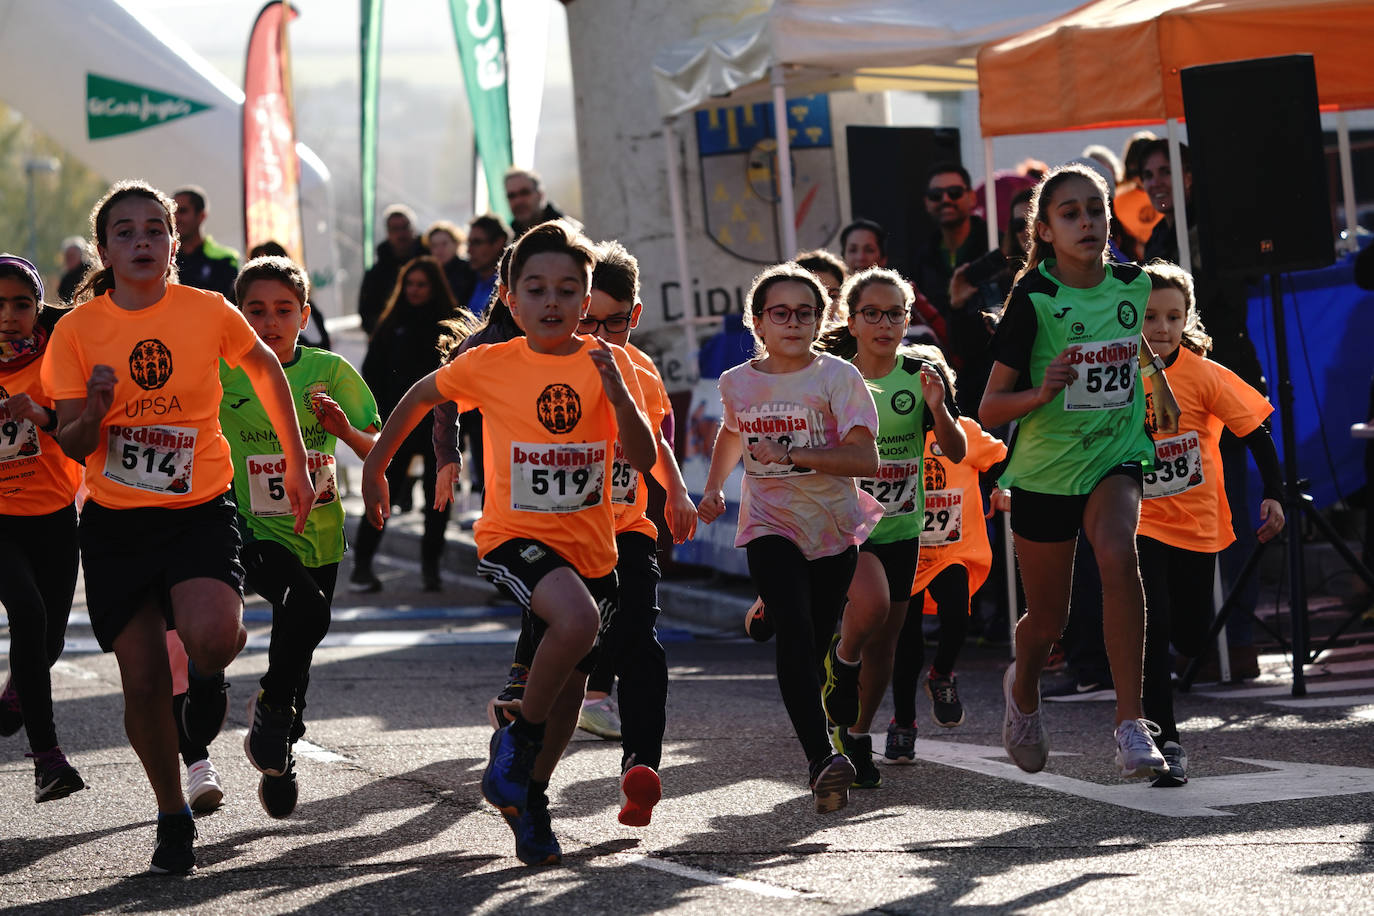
(557, 478)
(157, 458)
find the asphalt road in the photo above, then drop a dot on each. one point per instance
(1277, 817)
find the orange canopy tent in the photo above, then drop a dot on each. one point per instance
(1116, 63)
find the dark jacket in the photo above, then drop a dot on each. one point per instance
(212, 266)
(549, 212)
(379, 281)
(461, 279)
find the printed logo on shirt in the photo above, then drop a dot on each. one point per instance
(934, 475)
(903, 402)
(311, 391)
(1127, 315)
(559, 408)
(239, 403)
(150, 364)
(1077, 329)
(1064, 311)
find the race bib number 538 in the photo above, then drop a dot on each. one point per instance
(157, 458)
(1178, 466)
(557, 478)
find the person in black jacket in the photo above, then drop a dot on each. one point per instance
(404, 349)
(400, 246)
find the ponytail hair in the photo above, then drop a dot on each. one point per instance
(1038, 212)
(100, 280)
(1167, 275)
(837, 338)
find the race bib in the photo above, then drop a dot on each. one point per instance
(895, 487)
(944, 518)
(18, 439)
(157, 458)
(267, 479)
(557, 478)
(1178, 466)
(788, 426)
(624, 480)
(1106, 375)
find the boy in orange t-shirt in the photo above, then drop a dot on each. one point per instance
(1184, 517)
(553, 405)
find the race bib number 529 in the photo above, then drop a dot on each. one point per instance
(568, 477)
(157, 458)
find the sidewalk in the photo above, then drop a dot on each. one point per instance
(711, 606)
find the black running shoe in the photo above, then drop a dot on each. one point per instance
(756, 622)
(831, 778)
(205, 709)
(1176, 773)
(944, 700)
(53, 776)
(502, 708)
(11, 715)
(840, 695)
(175, 853)
(278, 794)
(268, 742)
(859, 750)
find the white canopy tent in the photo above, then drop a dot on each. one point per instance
(805, 46)
(133, 102)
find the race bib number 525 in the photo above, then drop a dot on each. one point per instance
(557, 478)
(157, 458)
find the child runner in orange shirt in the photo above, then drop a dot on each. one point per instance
(953, 565)
(135, 376)
(553, 405)
(1185, 520)
(38, 552)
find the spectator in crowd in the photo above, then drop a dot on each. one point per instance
(488, 236)
(528, 204)
(829, 270)
(445, 242)
(405, 349)
(75, 263)
(1132, 206)
(863, 244)
(400, 247)
(959, 237)
(201, 261)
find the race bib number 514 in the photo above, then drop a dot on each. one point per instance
(157, 458)
(557, 478)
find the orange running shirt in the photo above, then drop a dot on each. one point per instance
(36, 476)
(956, 532)
(548, 434)
(1185, 495)
(160, 443)
(629, 496)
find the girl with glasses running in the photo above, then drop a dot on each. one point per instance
(804, 424)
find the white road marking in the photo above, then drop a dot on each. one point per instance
(1282, 690)
(708, 877)
(1202, 797)
(1318, 702)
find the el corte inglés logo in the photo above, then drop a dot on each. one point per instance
(114, 108)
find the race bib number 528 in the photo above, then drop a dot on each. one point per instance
(1106, 375)
(157, 458)
(569, 477)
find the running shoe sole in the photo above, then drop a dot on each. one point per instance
(640, 790)
(831, 790)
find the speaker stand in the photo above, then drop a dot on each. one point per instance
(1297, 506)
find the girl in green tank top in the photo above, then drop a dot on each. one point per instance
(1066, 368)
(912, 396)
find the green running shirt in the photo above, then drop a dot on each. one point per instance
(259, 464)
(1098, 422)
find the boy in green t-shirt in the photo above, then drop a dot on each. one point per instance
(296, 572)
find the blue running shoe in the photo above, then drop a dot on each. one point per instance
(535, 843)
(506, 781)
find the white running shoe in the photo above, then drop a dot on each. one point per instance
(1023, 734)
(202, 787)
(601, 718)
(1136, 754)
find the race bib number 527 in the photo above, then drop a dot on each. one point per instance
(157, 458)
(568, 477)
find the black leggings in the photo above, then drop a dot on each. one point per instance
(1178, 609)
(804, 600)
(432, 543)
(949, 588)
(38, 559)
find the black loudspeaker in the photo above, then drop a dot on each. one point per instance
(1259, 171)
(887, 178)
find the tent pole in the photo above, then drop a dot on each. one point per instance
(990, 195)
(1185, 256)
(684, 278)
(787, 220)
(1347, 183)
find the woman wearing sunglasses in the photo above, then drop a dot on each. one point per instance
(805, 425)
